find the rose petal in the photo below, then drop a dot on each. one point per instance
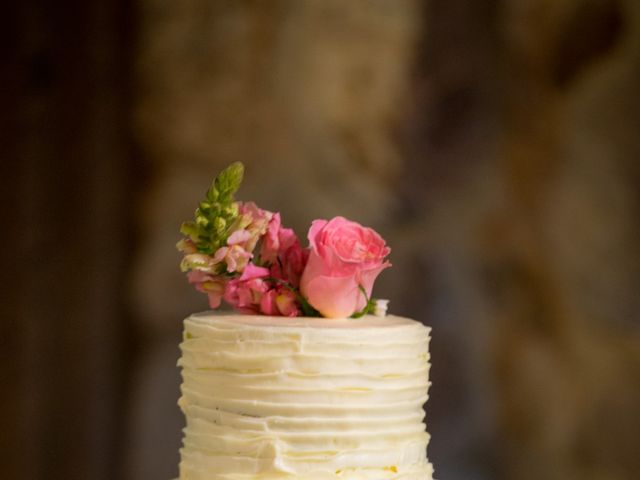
(334, 297)
(316, 227)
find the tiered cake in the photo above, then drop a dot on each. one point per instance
(304, 398)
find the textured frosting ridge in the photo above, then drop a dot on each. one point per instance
(304, 398)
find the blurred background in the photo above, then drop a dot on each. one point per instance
(495, 145)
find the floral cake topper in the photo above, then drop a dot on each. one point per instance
(237, 252)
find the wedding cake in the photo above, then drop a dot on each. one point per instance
(309, 379)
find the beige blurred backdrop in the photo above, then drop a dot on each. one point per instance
(495, 145)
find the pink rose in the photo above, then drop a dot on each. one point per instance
(344, 257)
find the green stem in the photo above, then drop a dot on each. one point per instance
(368, 308)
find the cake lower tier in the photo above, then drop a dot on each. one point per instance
(304, 398)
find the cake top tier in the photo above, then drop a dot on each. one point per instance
(370, 322)
(365, 332)
(268, 397)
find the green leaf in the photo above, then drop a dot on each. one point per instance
(307, 309)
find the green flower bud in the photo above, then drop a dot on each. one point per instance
(219, 224)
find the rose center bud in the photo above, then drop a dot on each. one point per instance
(351, 250)
(361, 252)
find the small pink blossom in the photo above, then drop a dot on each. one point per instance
(268, 304)
(281, 249)
(290, 264)
(239, 237)
(276, 240)
(344, 257)
(213, 286)
(279, 301)
(255, 221)
(234, 256)
(271, 242)
(245, 292)
(287, 303)
(198, 262)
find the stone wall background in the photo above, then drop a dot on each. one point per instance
(495, 145)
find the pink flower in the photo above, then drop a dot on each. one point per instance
(271, 241)
(256, 222)
(268, 303)
(245, 293)
(239, 237)
(234, 254)
(287, 303)
(213, 286)
(344, 257)
(290, 265)
(198, 262)
(279, 301)
(281, 249)
(253, 292)
(276, 240)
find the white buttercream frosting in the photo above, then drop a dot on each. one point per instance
(304, 398)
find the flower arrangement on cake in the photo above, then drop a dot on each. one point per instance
(237, 252)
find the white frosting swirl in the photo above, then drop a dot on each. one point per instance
(304, 398)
